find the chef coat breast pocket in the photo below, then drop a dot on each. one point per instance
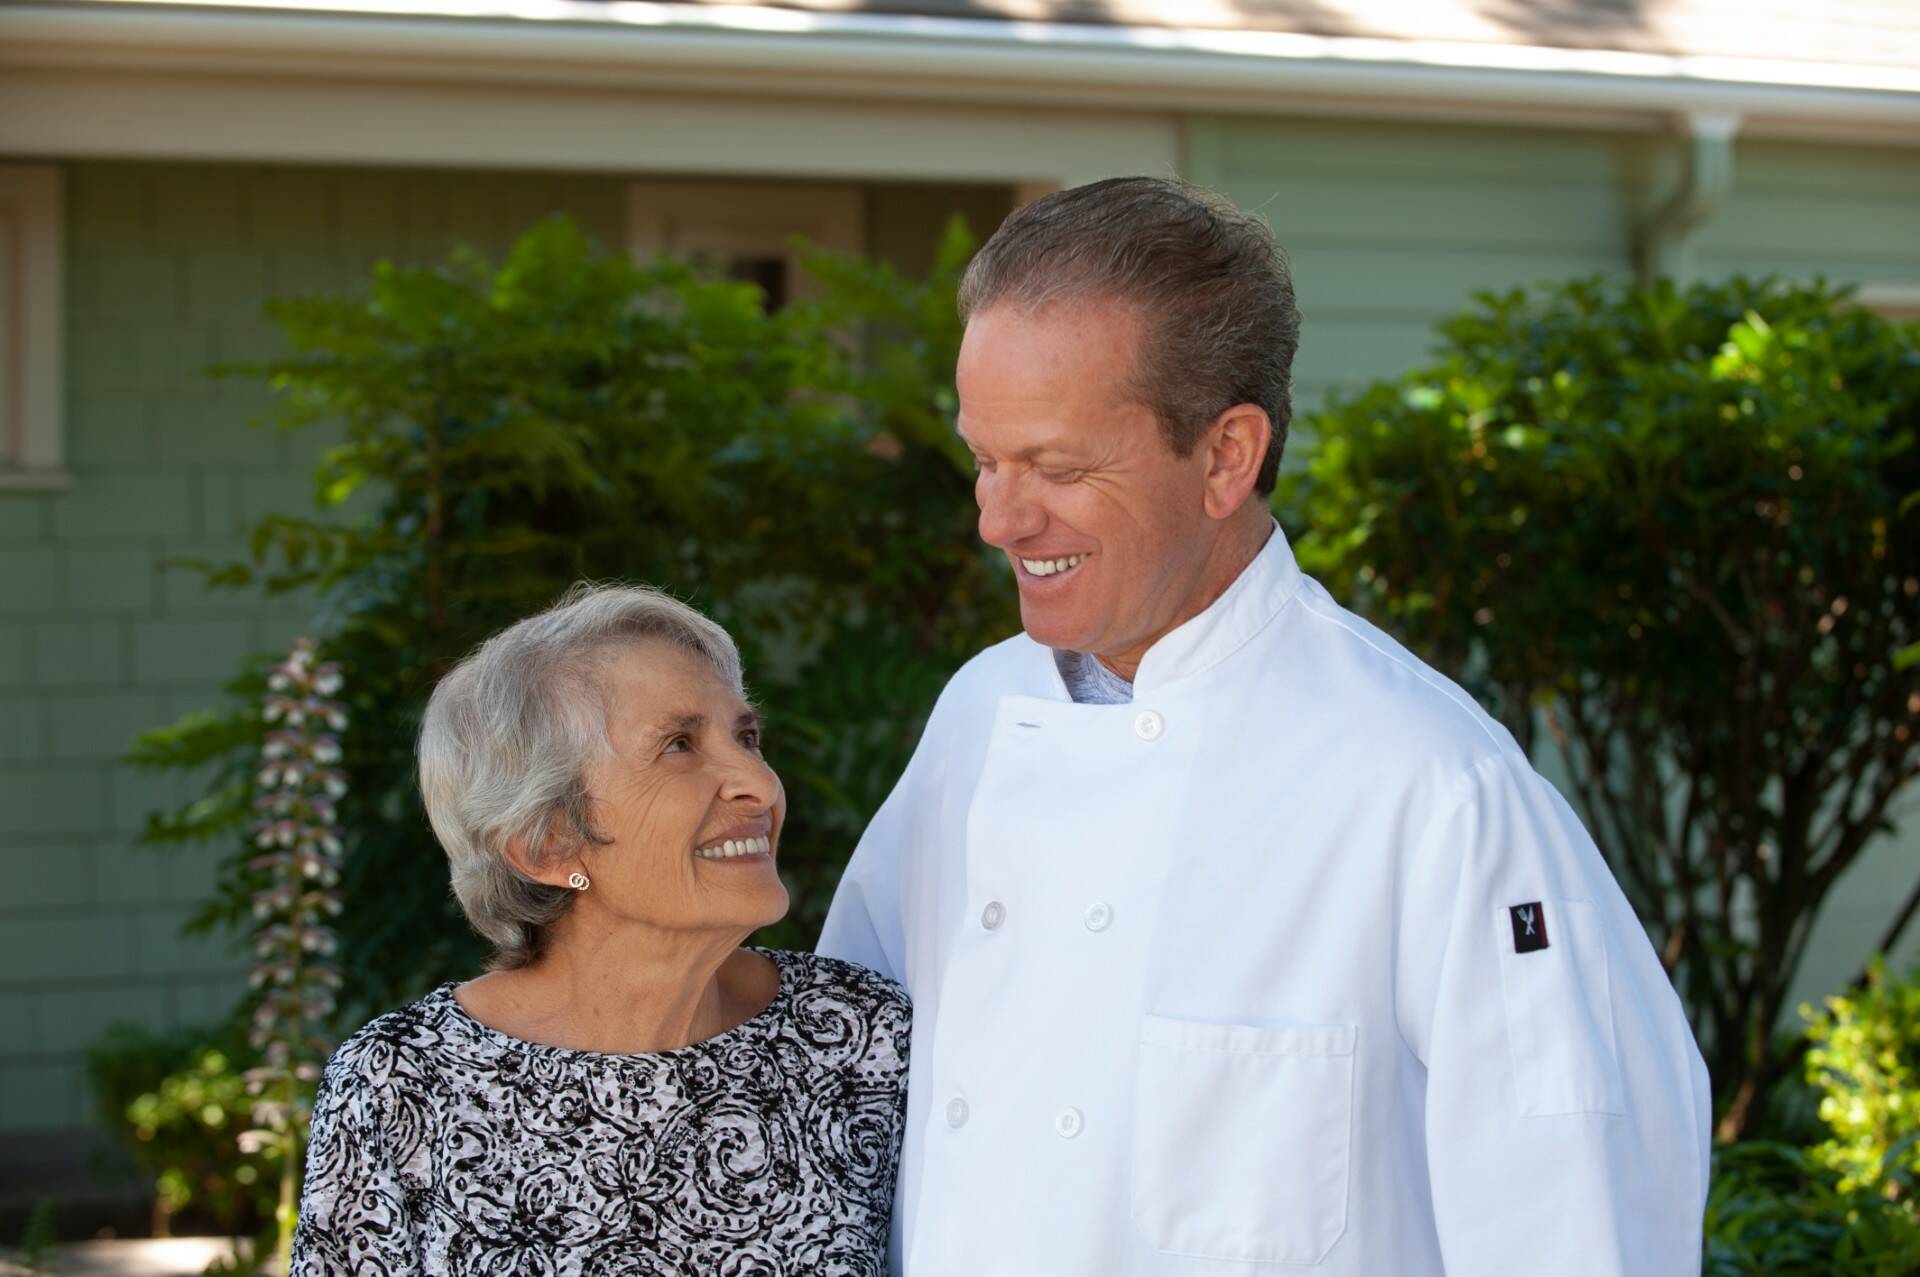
(1242, 1136)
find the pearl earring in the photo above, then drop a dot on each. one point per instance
(578, 881)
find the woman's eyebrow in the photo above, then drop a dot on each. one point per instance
(748, 719)
(673, 724)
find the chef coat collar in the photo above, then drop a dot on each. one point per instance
(1256, 596)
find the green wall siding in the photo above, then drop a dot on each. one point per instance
(1800, 210)
(167, 268)
(1391, 226)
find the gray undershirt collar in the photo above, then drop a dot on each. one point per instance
(1091, 683)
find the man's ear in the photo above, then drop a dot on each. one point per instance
(1236, 447)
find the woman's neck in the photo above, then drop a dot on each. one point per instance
(624, 989)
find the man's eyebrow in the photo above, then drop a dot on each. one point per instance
(1026, 454)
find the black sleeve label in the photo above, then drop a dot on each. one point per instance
(1529, 927)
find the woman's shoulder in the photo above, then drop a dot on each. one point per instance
(396, 1046)
(864, 991)
(861, 986)
(847, 1016)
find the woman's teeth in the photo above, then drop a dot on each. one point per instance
(735, 847)
(1047, 567)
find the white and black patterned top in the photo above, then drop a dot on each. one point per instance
(442, 1146)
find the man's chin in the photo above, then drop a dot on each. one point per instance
(1049, 629)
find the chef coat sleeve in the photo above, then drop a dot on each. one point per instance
(864, 923)
(1567, 1111)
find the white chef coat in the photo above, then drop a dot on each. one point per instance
(1247, 976)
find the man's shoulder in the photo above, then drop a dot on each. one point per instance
(1383, 694)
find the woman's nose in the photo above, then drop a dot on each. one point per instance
(750, 779)
(1007, 516)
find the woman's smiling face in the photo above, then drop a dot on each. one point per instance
(688, 807)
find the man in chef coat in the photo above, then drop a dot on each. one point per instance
(1239, 940)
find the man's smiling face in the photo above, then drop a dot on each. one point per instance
(1104, 525)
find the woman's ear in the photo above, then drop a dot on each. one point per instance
(553, 871)
(1236, 447)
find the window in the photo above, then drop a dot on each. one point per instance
(744, 228)
(31, 300)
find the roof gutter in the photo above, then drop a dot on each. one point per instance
(764, 51)
(1663, 245)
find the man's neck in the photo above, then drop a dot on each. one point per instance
(1232, 554)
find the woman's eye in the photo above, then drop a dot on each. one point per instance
(678, 745)
(751, 738)
(1059, 476)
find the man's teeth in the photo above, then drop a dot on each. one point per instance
(1047, 567)
(734, 847)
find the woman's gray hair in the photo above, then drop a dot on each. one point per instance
(507, 737)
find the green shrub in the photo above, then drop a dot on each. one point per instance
(37, 1239)
(1675, 528)
(1865, 1058)
(1777, 1211)
(178, 1102)
(569, 414)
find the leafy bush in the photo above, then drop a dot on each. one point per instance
(178, 1102)
(1865, 1058)
(1777, 1211)
(569, 415)
(1675, 528)
(37, 1239)
(1845, 1205)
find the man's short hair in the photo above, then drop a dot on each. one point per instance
(1212, 288)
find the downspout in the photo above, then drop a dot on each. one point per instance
(1663, 245)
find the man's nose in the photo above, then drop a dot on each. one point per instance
(1007, 515)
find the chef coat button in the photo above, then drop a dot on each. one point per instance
(1149, 726)
(1068, 1122)
(993, 915)
(1099, 916)
(956, 1112)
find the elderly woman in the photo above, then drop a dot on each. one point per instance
(627, 1090)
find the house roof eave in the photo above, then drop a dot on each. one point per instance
(768, 52)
